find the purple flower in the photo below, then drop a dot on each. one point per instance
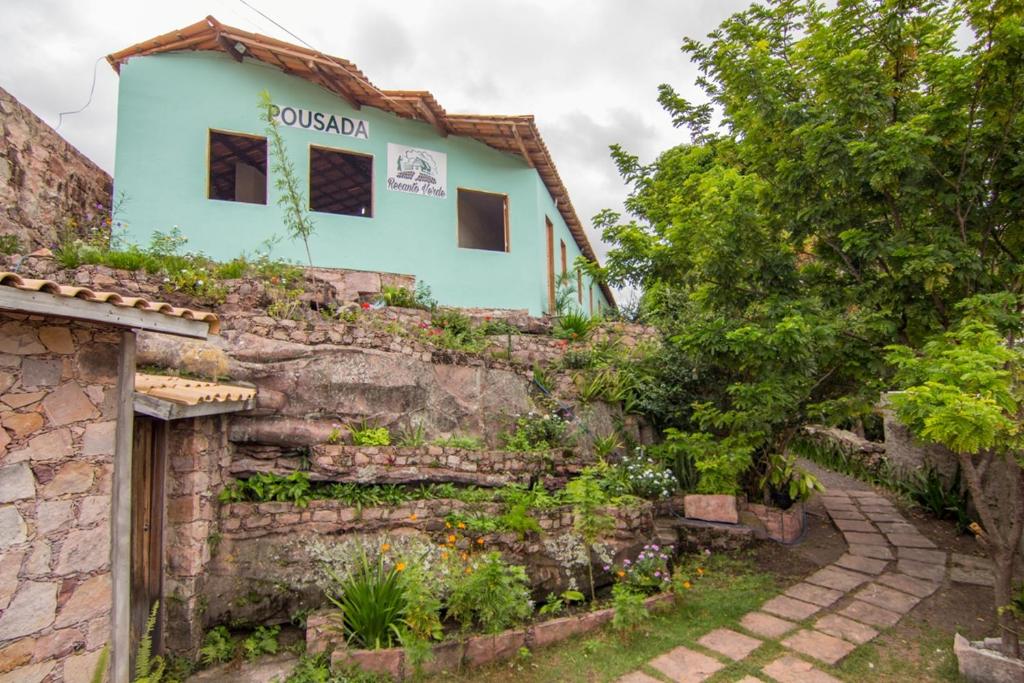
(625, 562)
(606, 567)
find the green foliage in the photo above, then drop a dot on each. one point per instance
(365, 435)
(554, 604)
(317, 669)
(645, 477)
(589, 521)
(565, 293)
(787, 482)
(843, 189)
(490, 594)
(412, 436)
(218, 646)
(262, 641)
(535, 432)
(719, 462)
(422, 605)
(464, 441)
(9, 244)
(573, 326)
(543, 379)
(606, 446)
(334, 437)
(372, 602)
(928, 489)
(402, 297)
(630, 611)
(149, 669)
(268, 487)
(99, 672)
(293, 204)
(878, 471)
(493, 328)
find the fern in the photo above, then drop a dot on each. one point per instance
(149, 669)
(99, 674)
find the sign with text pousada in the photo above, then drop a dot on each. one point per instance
(417, 171)
(321, 121)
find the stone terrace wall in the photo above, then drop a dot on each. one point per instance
(396, 465)
(263, 569)
(43, 179)
(198, 453)
(58, 390)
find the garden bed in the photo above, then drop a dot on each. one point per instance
(474, 651)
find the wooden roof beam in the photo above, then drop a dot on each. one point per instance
(339, 89)
(522, 145)
(425, 112)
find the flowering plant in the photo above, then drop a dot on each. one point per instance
(647, 478)
(648, 573)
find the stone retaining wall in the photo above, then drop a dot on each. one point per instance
(59, 410)
(396, 465)
(263, 569)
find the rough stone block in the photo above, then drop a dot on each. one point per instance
(870, 614)
(711, 508)
(766, 625)
(816, 595)
(55, 445)
(23, 424)
(860, 538)
(733, 645)
(57, 340)
(99, 438)
(67, 404)
(889, 598)
(37, 372)
(908, 584)
(683, 664)
(792, 669)
(877, 551)
(978, 664)
(16, 482)
(73, 477)
(837, 578)
(84, 551)
(865, 565)
(922, 555)
(88, 601)
(922, 570)
(13, 529)
(847, 629)
(33, 673)
(854, 525)
(789, 608)
(820, 646)
(32, 609)
(914, 540)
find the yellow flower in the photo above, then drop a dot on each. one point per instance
(444, 556)
(386, 547)
(687, 585)
(465, 556)
(462, 525)
(412, 517)
(469, 570)
(451, 538)
(480, 541)
(400, 567)
(447, 525)
(700, 571)
(621, 573)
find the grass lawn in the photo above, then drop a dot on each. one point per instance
(731, 587)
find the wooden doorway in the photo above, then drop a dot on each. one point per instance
(551, 265)
(148, 466)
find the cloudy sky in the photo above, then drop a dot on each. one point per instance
(587, 69)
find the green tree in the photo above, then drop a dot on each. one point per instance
(965, 391)
(852, 174)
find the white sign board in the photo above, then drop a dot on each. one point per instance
(417, 171)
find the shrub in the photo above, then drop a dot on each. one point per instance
(574, 326)
(491, 594)
(536, 433)
(422, 615)
(9, 244)
(648, 573)
(630, 612)
(365, 435)
(262, 641)
(463, 441)
(218, 646)
(492, 328)
(267, 487)
(646, 477)
(372, 602)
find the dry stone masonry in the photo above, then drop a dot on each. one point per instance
(58, 411)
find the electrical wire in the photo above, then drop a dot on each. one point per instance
(92, 90)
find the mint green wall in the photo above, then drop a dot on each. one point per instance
(168, 103)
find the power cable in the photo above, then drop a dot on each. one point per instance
(92, 89)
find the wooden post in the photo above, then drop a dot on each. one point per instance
(121, 514)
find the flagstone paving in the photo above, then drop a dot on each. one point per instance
(889, 567)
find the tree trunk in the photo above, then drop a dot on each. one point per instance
(1004, 595)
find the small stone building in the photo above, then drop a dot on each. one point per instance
(69, 562)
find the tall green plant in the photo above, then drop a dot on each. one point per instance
(372, 602)
(589, 520)
(149, 669)
(291, 199)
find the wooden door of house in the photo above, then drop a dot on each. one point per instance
(148, 464)
(551, 265)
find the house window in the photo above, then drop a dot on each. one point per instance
(238, 168)
(340, 182)
(483, 220)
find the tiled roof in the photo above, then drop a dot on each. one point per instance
(15, 281)
(190, 392)
(516, 134)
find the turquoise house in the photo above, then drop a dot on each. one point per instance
(472, 205)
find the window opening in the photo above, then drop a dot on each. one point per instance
(238, 168)
(340, 182)
(483, 220)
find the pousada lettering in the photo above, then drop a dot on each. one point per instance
(293, 117)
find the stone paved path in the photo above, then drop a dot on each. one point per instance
(888, 568)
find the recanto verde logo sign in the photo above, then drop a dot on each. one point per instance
(294, 117)
(417, 171)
